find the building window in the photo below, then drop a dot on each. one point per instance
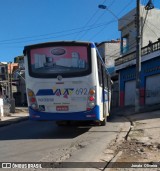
(124, 44)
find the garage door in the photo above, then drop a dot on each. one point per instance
(130, 88)
(152, 89)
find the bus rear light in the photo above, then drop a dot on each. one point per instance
(91, 98)
(34, 106)
(30, 93)
(88, 108)
(92, 104)
(33, 100)
(92, 91)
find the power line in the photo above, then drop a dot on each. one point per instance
(88, 22)
(110, 22)
(94, 23)
(90, 19)
(62, 35)
(153, 25)
(111, 3)
(127, 5)
(144, 22)
(42, 35)
(113, 15)
(152, 31)
(131, 48)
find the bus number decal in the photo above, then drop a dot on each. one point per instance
(85, 91)
(81, 91)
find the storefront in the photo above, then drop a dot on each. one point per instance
(149, 85)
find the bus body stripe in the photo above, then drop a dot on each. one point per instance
(44, 92)
(93, 45)
(94, 115)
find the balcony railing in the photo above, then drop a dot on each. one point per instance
(144, 51)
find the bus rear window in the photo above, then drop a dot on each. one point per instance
(59, 60)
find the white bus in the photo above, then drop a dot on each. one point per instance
(66, 81)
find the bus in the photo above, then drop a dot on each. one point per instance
(67, 81)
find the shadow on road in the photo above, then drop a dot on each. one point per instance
(41, 130)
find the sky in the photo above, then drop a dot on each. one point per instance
(26, 22)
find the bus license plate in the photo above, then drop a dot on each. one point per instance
(62, 108)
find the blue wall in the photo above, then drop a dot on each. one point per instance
(148, 68)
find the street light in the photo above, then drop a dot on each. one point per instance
(104, 7)
(149, 5)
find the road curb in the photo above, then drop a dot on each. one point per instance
(113, 160)
(13, 121)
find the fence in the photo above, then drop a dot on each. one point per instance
(144, 51)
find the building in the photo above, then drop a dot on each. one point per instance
(125, 66)
(110, 50)
(3, 78)
(19, 86)
(149, 26)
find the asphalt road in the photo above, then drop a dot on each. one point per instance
(41, 141)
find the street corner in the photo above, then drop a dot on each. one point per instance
(142, 143)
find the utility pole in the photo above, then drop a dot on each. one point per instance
(138, 58)
(11, 99)
(149, 6)
(10, 80)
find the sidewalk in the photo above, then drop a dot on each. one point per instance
(21, 113)
(142, 143)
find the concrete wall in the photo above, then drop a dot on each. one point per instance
(150, 31)
(151, 27)
(110, 50)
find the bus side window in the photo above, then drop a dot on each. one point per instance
(105, 79)
(99, 72)
(108, 82)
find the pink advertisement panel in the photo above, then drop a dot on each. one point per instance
(59, 58)
(68, 52)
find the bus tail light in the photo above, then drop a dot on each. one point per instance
(32, 99)
(92, 91)
(91, 99)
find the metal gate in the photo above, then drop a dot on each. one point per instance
(152, 95)
(130, 91)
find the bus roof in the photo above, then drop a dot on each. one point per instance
(54, 42)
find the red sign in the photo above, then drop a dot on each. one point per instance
(62, 108)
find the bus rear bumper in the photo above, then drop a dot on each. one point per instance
(93, 114)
